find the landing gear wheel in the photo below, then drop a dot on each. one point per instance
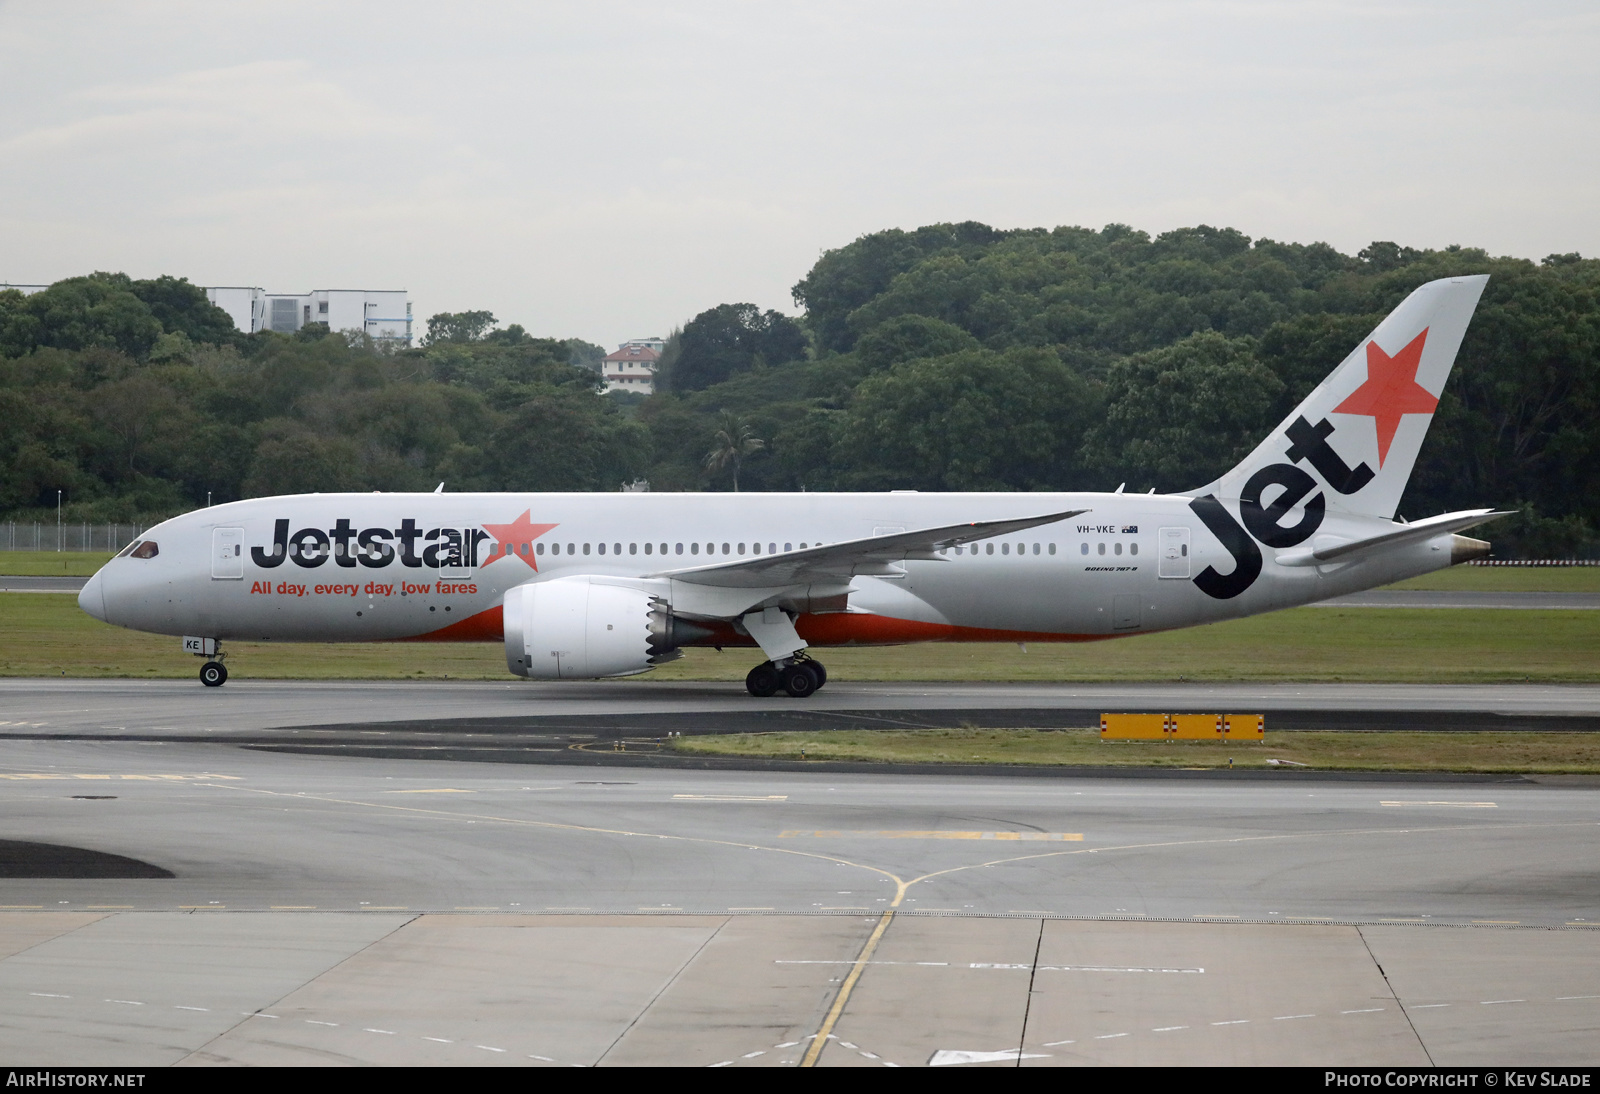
(763, 681)
(799, 680)
(820, 673)
(213, 674)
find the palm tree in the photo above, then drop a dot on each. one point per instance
(734, 441)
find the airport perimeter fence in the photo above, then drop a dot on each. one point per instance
(81, 536)
(1534, 562)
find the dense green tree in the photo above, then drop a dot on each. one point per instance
(1177, 417)
(976, 420)
(729, 339)
(182, 308)
(458, 326)
(80, 312)
(953, 356)
(909, 337)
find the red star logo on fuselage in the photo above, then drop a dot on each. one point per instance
(1391, 391)
(516, 539)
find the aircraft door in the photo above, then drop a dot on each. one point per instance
(895, 571)
(1173, 553)
(455, 552)
(227, 554)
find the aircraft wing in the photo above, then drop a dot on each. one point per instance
(1405, 533)
(841, 561)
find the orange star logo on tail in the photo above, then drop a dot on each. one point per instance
(513, 536)
(1391, 391)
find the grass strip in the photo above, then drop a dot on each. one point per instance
(52, 563)
(1485, 753)
(45, 634)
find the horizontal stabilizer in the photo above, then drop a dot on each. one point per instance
(836, 561)
(1335, 549)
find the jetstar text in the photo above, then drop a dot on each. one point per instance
(433, 548)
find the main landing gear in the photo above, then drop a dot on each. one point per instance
(800, 677)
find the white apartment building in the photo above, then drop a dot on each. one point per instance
(633, 366)
(382, 314)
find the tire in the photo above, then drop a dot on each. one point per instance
(213, 674)
(820, 672)
(799, 681)
(763, 681)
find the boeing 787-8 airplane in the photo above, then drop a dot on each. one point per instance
(580, 586)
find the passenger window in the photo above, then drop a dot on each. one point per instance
(664, 549)
(147, 549)
(1035, 548)
(647, 547)
(1083, 548)
(616, 548)
(711, 548)
(633, 548)
(755, 549)
(1005, 548)
(772, 548)
(679, 549)
(1052, 548)
(741, 549)
(572, 548)
(1133, 548)
(725, 549)
(1101, 548)
(988, 548)
(788, 547)
(586, 548)
(1117, 549)
(538, 549)
(694, 548)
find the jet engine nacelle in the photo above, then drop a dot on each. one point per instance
(584, 628)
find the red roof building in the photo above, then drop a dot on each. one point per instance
(631, 368)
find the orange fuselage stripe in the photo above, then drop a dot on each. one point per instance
(823, 630)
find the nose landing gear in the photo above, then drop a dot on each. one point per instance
(800, 678)
(213, 674)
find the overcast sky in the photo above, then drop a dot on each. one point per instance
(607, 170)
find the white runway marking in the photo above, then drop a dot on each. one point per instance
(947, 1057)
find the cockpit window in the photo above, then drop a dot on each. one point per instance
(147, 549)
(129, 548)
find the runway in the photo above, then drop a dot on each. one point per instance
(455, 913)
(262, 710)
(330, 909)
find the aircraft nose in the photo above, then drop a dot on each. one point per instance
(92, 597)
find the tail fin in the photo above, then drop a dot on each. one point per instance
(1360, 431)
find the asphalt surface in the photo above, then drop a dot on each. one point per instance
(337, 910)
(540, 719)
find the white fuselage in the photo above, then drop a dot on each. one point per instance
(384, 567)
